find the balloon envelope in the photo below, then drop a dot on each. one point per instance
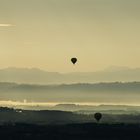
(73, 60)
(98, 116)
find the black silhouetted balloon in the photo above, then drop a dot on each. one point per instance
(74, 60)
(97, 116)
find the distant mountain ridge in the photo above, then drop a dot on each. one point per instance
(117, 92)
(37, 76)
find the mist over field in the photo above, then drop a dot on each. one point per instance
(100, 93)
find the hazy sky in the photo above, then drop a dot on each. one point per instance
(47, 33)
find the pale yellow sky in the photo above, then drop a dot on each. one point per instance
(47, 33)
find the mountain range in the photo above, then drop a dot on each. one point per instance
(38, 76)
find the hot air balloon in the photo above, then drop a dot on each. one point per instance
(74, 60)
(97, 116)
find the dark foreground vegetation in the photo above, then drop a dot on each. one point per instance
(17, 124)
(86, 131)
(53, 117)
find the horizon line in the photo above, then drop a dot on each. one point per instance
(11, 103)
